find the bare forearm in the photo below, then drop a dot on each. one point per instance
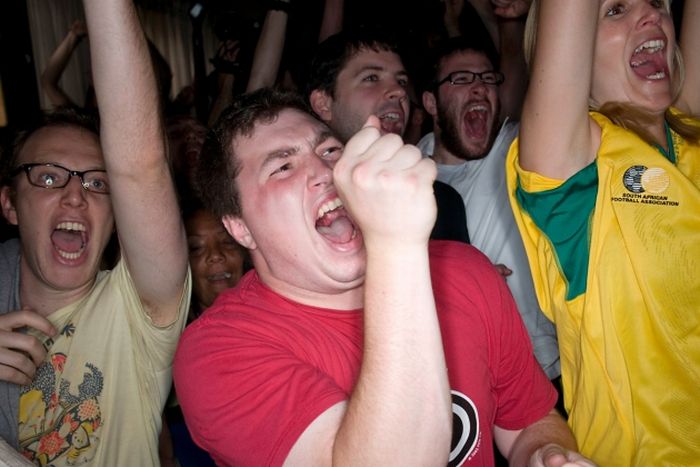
(332, 21)
(485, 11)
(125, 86)
(403, 366)
(549, 430)
(690, 42)
(55, 67)
(512, 91)
(224, 97)
(268, 52)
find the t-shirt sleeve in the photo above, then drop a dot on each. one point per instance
(562, 211)
(246, 398)
(155, 343)
(523, 391)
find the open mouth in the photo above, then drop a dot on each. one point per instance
(333, 223)
(649, 60)
(69, 239)
(392, 122)
(476, 120)
(221, 276)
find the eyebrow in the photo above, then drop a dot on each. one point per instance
(379, 68)
(289, 151)
(277, 154)
(322, 136)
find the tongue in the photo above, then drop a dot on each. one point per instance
(67, 240)
(391, 126)
(475, 124)
(338, 230)
(649, 64)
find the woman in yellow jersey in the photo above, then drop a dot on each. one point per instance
(605, 185)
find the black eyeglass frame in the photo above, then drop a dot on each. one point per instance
(27, 168)
(450, 78)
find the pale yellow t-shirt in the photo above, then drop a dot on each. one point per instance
(98, 396)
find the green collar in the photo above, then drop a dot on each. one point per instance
(671, 153)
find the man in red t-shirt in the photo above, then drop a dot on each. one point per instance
(339, 347)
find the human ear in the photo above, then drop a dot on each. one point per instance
(429, 103)
(8, 207)
(321, 104)
(237, 228)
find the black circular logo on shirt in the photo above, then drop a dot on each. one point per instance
(632, 179)
(465, 429)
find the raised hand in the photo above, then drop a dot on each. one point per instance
(78, 29)
(387, 186)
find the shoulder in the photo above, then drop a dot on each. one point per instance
(465, 281)
(508, 132)
(248, 310)
(427, 144)
(455, 254)
(446, 193)
(456, 261)
(9, 250)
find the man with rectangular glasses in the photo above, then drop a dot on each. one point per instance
(470, 144)
(85, 354)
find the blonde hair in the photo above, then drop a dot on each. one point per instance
(625, 114)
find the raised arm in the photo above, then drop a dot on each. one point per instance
(511, 28)
(387, 186)
(556, 139)
(269, 49)
(147, 216)
(332, 20)
(488, 18)
(57, 64)
(689, 100)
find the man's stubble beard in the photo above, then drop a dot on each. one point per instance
(450, 132)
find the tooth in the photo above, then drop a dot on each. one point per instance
(69, 255)
(654, 46)
(328, 207)
(76, 226)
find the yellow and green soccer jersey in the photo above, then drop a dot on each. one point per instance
(615, 256)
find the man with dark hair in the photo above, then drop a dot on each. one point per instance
(338, 347)
(470, 144)
(360, 73)
(85, 354)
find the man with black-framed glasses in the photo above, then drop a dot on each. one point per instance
(85, 354)
(471, 140)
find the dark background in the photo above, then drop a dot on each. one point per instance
(413, 19)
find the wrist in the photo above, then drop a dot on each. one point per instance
(75, 37)
(280, 5)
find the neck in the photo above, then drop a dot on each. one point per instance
(442, 156)
(37, 295)
(657, 130)
(341, 299)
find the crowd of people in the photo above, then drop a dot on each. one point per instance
(482, 255)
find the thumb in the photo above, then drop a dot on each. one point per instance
(372, 121)
(363, 139)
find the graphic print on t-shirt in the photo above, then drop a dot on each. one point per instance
(465, 429)
(59, 420)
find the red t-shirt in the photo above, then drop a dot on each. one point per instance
(256, 369)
